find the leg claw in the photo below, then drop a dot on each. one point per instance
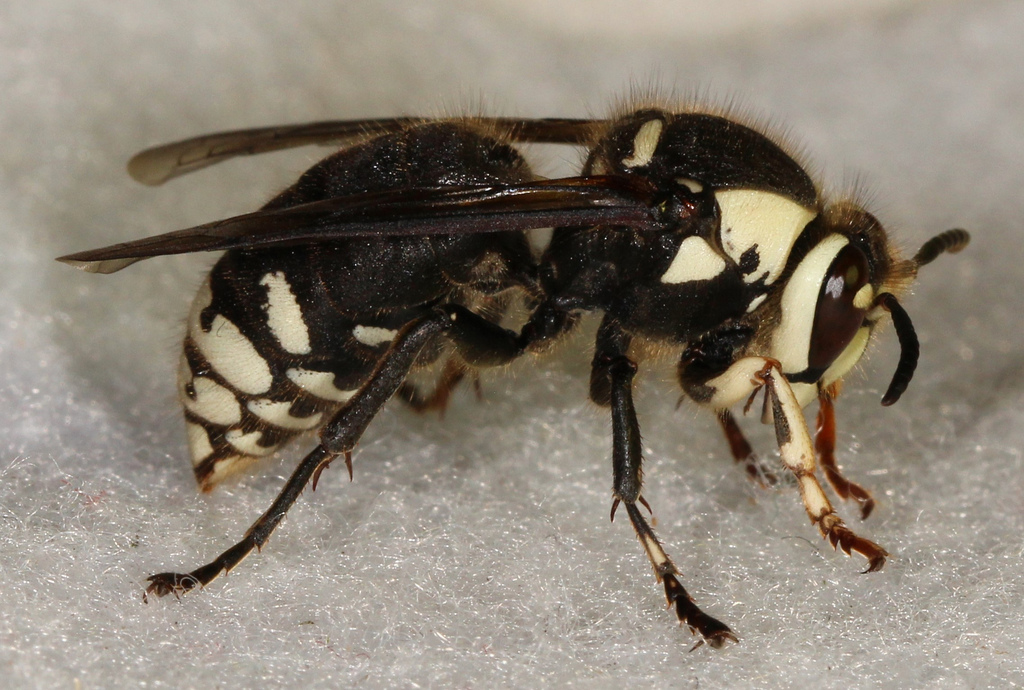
(841, 537)
(712, 631)
(170, 583)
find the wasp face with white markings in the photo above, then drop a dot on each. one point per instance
(688, 231)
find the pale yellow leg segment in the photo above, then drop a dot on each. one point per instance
(797, 453)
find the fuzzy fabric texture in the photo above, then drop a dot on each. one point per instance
(475, 550)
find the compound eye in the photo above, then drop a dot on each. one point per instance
(843, 301)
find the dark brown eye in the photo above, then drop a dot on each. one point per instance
(837, 315)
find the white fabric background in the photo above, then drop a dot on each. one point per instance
(476, 551)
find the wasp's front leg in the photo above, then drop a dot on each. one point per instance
(825, 444)
(798, 455)
(743, 453)
(711, 377)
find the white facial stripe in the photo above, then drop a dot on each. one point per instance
(284, 315)
(695, 260)
(247, 444)
(319, 384)
(228, 351)
(848, 358)
(213, 402)
(770, 221)
(792, 341)
(756, 302)
(277, 414)
(805, 393)
(373, 335)
(198, 443)
(644, 144)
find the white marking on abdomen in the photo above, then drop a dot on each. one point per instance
(284, 315)
(222, 468)
(319, 384)
(770, 221)
(213, 402)
(277, 414)
(248, 443)
(198, 443)
(229, 352)
(695, 260)
(373, 335)
(644, 144)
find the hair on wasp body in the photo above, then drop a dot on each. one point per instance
(688, 231)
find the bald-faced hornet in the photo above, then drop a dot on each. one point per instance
(687, 230)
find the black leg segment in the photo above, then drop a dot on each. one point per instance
(337, 438)
(627, 470)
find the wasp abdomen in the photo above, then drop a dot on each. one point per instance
(279, 339)
(250, 384)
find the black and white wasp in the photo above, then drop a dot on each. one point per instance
(687, 230)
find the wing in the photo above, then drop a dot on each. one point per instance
(157, 165)
(573, 201)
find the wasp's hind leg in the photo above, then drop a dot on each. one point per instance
(478, 342)
(338, 438)
(612, 374)
(255, 538)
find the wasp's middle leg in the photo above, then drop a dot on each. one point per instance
(612, 374)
